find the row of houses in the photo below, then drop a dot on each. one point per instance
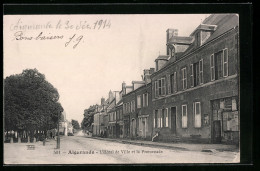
(192, 94)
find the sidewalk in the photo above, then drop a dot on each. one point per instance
(176, 146)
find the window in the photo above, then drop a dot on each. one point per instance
(139, 101)
(159, 118)
(201, 71)
(196, 74)
(169, 84)
(128, 107)
(155, 118)
(219, 65)
(163, 86)
(198, 38)
(175, 82)
(184, 78)
(197, 115)
(191, 76)
(184, 116)
(165, 117)
(132, 106)
(145, 100)
(160, 87)
(156, 89)
(212, 67)
(140, 124)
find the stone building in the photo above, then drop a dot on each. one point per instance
(195, 89)
(137, 110)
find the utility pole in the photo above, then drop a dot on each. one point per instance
(58, 137)
(116, 127)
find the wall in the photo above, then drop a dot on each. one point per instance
(209, 90)
(147, 110)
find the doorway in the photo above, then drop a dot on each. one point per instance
(133, 127)
(144, 131)
(216, 131)
(173, 120)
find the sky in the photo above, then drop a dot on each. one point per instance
(89, 55)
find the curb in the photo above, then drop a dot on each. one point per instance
(142, 144)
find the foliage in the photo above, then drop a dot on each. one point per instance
(88, 118)
(75, 124)
(30, 102)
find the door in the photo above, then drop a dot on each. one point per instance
(143, 131)
(133, 127)
(216, 131)
(173, 120)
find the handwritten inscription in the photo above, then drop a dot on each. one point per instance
(22, 30)
(75, 40)
(66, 24)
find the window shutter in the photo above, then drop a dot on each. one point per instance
(163, 86)
(201, 71)
(156, 89)
(154, 118)
(167, 118)
(175, 81)
(143, 100)
(147, 99)
(194, 114)
(161, 125)
(191, 76)
(169, 84)
(225, 63)
(212, 67)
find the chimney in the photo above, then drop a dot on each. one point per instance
(123, 88)
(152, 70)
(102, 101)
(169, 34)
(146, 76)
(110, 96)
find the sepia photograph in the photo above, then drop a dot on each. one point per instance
(121, 89)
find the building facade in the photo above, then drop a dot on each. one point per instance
(191, 95)
(144, 111)
(196, 90)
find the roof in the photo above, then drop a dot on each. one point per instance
(222, 24)
(162, 57)
(180, 40)
(138, 82)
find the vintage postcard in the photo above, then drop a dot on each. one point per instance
(121, 89)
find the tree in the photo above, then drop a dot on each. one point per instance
(30, 102)
(75, 124)
(88, 118)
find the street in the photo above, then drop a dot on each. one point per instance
(81, 150)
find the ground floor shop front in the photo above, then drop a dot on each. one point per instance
(208, 114)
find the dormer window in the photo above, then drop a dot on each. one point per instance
(198, 38)
(172, 51)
